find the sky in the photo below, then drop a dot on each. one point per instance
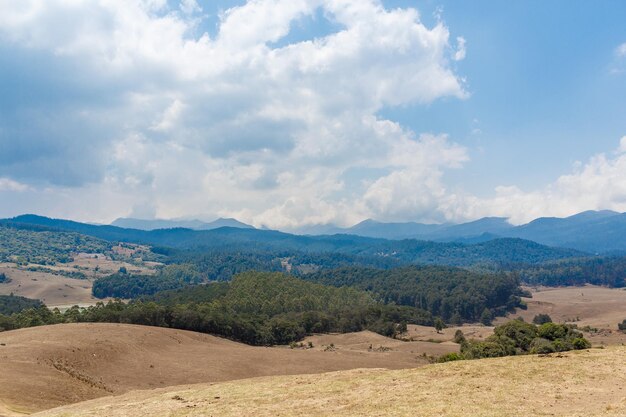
(291, 113)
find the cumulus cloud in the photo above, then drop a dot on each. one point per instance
(598, 184)
(132, 101)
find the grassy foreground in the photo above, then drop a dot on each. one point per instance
(582, 383)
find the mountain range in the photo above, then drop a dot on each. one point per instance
(141, 224)
(590, 231)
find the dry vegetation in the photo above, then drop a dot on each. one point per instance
(584, 383)
(48, 366)
(58, 290)
(600, 308)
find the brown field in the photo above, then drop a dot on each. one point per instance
(49, 366)
(53, 290)
(60, 291)
(583, 383)
(598, 307)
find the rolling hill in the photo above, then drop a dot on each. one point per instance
(586, 383)
(48, 366)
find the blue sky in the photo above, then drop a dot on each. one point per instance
(292, 113)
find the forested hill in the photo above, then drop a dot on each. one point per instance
(454, 294)
(491, 254)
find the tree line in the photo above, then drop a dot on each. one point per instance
(255, 308)
(454, 294)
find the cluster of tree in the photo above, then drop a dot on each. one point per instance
(75, 274)
(519, 338)
(255, 308)
(3, 278)
(456, 295)
(11, 304)
(125, 285)
(223, 264)
(45, 247)
(606, 271)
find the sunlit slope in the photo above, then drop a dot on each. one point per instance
(586, 383)
(50, 366)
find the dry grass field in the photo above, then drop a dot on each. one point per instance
(53, 290)
(58, 290)
(582, 383)
(598, 307)
(49, 366)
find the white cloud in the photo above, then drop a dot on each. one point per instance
(620, 51)
(199, 125)
(598, 184)
(461, 51)
(7, 184)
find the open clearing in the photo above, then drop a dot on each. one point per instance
(583, 383)
(53, 290)
(598, 307)
(49, 366)
(58, 290)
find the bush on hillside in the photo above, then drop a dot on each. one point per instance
(519, 338)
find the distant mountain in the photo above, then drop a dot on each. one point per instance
(141, 224)
(490, 254)
(407, 230)
(592, 231)
(589, 231)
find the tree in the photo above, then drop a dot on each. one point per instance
(622, 326)
(439, 325)
(542, 318)
(459, 337)
(486, 317)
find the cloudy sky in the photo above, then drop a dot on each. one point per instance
(284, 113)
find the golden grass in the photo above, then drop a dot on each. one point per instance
(588, 383)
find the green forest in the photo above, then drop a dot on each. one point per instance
(455, 294)
(255, 308)
(45, 247)
(11, 304)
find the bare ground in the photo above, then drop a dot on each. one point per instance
(49, 366)
(58, 290)
(587, 383)
(53, 290)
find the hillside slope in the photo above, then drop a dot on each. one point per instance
(49, 366)
(587, 383)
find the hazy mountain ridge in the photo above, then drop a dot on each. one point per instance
(492, 253)
(155, 224)
(590, 231)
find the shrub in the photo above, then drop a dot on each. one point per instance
(622, 326)
(542, 319)
(449, 357)
(540, 345)
(580, 343)
(459, 337)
